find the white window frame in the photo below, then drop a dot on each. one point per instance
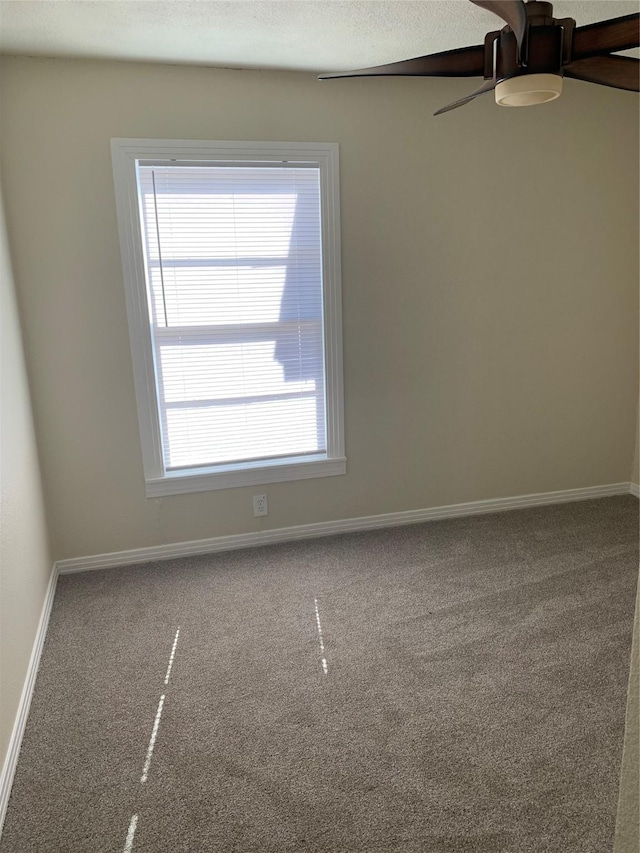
(125, 155)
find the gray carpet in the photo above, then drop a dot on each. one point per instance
(473, 698)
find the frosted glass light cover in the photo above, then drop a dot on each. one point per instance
(527, 90)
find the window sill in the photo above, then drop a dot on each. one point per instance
(181, 482)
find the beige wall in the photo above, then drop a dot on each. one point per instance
(490, 269)
(25, 561)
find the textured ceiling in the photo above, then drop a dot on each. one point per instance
(317, 35)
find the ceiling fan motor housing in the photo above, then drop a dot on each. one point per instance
(532, 75)
(547, 47)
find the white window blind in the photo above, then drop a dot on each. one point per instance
(233, 258)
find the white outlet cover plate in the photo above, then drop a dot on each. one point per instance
(260, 505)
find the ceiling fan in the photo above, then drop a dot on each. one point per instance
(525, 61)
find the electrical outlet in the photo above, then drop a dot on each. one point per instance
(260, 505)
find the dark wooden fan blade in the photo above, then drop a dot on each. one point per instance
(606, 36)
(487, 86)
(463, 62)
(620, 72)
(511, 11)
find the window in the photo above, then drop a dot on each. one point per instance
(232, 275)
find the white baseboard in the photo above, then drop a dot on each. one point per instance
(326, 528)
(634, 488)
(11, 758)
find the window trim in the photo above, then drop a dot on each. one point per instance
(125, 154)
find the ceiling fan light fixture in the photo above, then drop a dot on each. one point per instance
(526, 90)
(524, 62)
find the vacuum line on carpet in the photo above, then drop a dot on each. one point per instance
(128, 845)
(325, 668)
(152, 742)
(173, 651)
